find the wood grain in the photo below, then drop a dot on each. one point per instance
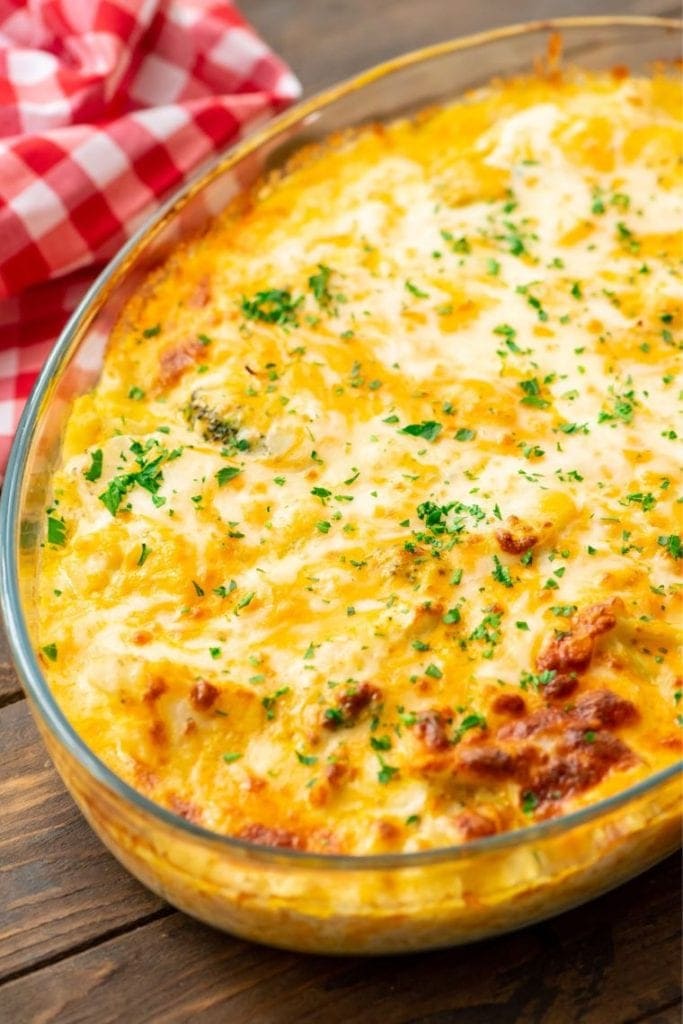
(577, 969)
(326, 41)
(10, 689)
(59, 885)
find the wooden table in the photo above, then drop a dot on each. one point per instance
(80, 940)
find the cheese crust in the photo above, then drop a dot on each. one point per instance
(369, 536)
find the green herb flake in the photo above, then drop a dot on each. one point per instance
(428, 429)
(231, 758)
(95, 471)
(56, 531)
(532, 394)
(433, 671)
(319, 285)
(272, 306)
(452, 616)
(529, 802)
(414, 290)
(50, 651)
(226, 474)
(380, 742)
(270, 702)
(672, 545)
(144, 553)
(386, 772)
(563, 610)
(136, 393)
(501, 573)
(306, 759)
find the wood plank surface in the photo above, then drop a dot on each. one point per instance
(81, 941)
(59, 885)
(325, 41)
(585, 967)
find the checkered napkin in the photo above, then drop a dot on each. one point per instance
(105, 106)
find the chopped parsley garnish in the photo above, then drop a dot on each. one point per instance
(672, 544)
(535, 680)
(529, 802)
(428, 429)
(380, 742)
(323, 526)
(136, 393)
(50, 651)
(433, 671)
(465, 434)
(472, 721)
(223, 591)
(563, 610)
(452, 616)
(273, 306)
(231, 758)
(226, 474)
(501, 573)
(95, 470)
(149, 476)
(646, 501)
(270, 702)
(386, 772)
(144, 554)
(322, 493)
(245, 601)
(532, 394)
(414, 290)
(56, 531)
(151, 332)
(307, 759)
(319, 285)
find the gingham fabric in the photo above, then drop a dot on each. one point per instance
(105, 106)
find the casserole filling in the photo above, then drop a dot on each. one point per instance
(369, 537)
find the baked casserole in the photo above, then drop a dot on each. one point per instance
(369, 537)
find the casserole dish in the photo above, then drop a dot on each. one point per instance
(309, 901)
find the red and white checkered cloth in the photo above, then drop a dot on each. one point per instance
(105, 106)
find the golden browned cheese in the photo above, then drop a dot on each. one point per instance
(369, 537)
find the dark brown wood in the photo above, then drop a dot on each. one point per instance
(10, 690)
(593, 965)
(59, 885)
(328, 40)
(80, 940)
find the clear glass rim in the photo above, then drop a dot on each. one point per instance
(21, 648)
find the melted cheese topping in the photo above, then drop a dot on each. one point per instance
(369, 536)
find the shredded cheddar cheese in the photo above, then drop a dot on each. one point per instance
(369, 537)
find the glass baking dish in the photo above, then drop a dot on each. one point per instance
(313, 902)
